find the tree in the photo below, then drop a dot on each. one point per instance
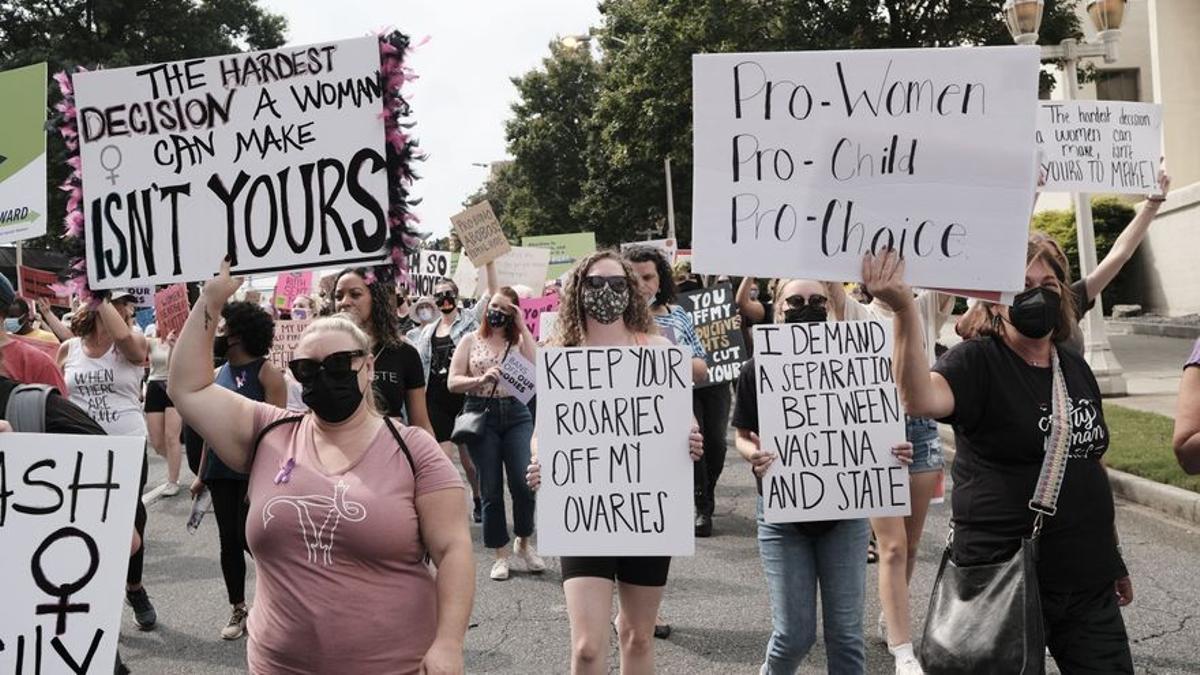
(116, 33)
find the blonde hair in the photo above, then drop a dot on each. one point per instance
(344, 323)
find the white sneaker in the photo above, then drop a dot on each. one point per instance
(236, 627)
(170, 489)
(908, 665)
(500, 569)
(530, 559)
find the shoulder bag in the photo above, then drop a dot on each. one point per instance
(469, 424)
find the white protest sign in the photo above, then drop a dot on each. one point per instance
(273, 158)
(549, 321)
(518, 376)
(612, 434)
(805, 161)
(287, 338)
(66, 522)
(426, 269)
(829, 409)
(466, 277)
(1100, 146)
(521, 266)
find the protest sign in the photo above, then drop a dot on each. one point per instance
(547, 322)
(668, 246)
(565, 250)
(533, 308)
(426, 269)
(805, 161)
(171, 309)
(36, 284)
(612, 434)
(274, 158)
(143, 296)
(66, 520)
(466, 277)
(719, 327)
(291, 285)
(521, 266)
(1100, 146)
(518, 376)
(829, 410)
(287, 338)
(480, 234)
(23, 154)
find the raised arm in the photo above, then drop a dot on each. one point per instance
(1128, 241)
(55, 324)
(1187, 422)
(131, 345)
(923, 393)
(221, 417)
(750, 308)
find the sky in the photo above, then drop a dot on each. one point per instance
(463, 96)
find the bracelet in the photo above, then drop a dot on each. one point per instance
(1156, 200)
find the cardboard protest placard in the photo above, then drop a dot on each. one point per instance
(171, 309)
(36, 284)
(480, 234)
(1100, 146)
(565, 250)
(291, 285)
(23, 154)
(143, 296)
(274, 158)
(426, 269)
(612, 432)
(547, 323)
(466, 277)
(65, 527)
(668, 246)
(518, 376)
(719, 327)
(521, 266)
(806, 161)
(287, 338)
(533, 308)
(829, 409)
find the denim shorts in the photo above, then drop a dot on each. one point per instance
(927, 446)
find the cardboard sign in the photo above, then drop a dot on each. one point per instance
(36, 284)
(23, 154)
(612, 434)
(565, 250)
(521, 266)
(806, 161)
(829, 409)
(518, 376)
(533, 308)
(143, 296)
(287, 338)
(668, 246)
(426, 269)
(719, 327)
(274, 158)
(291, 285)
(171, 309)
(1100, 146)
(546, 328)
(65, 529)
(480, 234)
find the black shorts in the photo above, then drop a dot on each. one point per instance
(156, 396)
(636, 570)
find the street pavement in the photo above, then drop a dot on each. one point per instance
(716, 601)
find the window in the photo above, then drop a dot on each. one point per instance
(1118, 85)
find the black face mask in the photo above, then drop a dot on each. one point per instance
(497, 318)
(333, 398)
(220, 346)
(805, 314)
(1034, 313)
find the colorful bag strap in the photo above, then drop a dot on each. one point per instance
(1054, 464)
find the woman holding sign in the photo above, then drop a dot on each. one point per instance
(602, 307)
(503, 448)
(1027, 419)
(351, 593)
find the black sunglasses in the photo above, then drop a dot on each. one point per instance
(618, 284)
(337, 363)
(798, 301)
(445, 296)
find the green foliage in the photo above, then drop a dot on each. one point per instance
(624, 115)
(1110, 216)
(115, 33)
(1140, 443)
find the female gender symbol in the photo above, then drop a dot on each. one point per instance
(63, 592)
(112, 175)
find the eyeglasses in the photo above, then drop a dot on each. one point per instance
(618, 284)
(445, 296)
(798, 301)
(337, 363)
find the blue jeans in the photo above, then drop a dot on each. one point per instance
(503, 451)
(927, 445)
(795, 565)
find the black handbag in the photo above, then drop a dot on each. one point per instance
(987, 619)
(469, 424)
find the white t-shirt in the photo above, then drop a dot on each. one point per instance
(108, 388)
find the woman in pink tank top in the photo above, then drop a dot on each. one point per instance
(345, 505)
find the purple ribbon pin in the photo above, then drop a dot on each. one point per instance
(285, 471)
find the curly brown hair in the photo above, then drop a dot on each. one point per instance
(572, 320)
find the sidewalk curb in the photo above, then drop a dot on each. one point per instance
(1166, 499)
(1134, 327)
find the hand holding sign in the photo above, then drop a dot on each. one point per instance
(883, 275)
(218, 290)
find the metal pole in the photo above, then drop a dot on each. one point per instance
(20, 263)
(1097, 350)
(670, 202)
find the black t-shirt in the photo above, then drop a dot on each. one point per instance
(745, 416)
(62, 416)
(1001, 420)
(397, 370)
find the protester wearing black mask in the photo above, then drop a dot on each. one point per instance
(1006, 392)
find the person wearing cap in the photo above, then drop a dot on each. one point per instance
(19, 360)
(103, 367)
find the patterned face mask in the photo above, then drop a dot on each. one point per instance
(605, 304)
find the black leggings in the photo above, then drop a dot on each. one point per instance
(230, 508)
(136, 561)
(710, 405)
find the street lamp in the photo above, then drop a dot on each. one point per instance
(1024, 17)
